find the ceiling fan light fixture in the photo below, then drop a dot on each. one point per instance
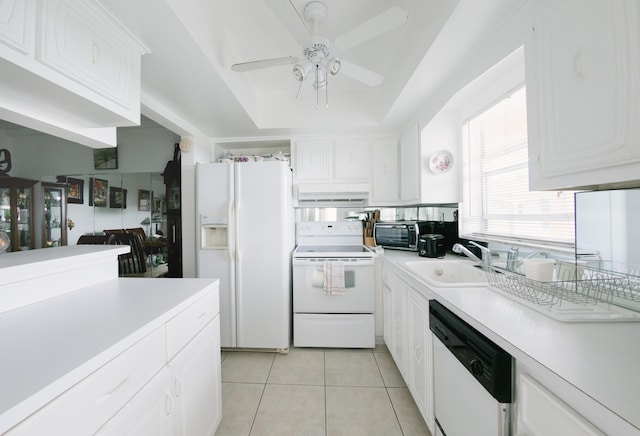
(302, 69)
(334, 66)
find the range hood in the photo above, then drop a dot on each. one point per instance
(317, 194)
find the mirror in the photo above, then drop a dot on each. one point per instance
(606, 226)
(108, 202)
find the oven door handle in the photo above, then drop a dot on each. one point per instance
(319, 262)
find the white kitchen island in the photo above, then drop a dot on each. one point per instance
(590, 367)
(110, 354)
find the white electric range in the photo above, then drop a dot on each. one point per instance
(333, 286)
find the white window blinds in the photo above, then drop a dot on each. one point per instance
(497, 203)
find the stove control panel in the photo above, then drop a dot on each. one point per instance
(329, 228)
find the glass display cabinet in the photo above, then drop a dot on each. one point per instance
(54, 214)
(16, 212)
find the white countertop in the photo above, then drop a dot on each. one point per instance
(600, 359)
(49, 346)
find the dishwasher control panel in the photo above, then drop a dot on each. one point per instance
(485, 360)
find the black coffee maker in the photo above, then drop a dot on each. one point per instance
(431, 245)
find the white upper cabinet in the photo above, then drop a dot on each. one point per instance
(400, 169)
(329, 160)
(384, 172)
(352, 159)
(583, 93)
(82, 43)
(68, 69)
(17, 21)
(313, 160)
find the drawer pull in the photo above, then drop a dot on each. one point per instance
(115, 389)
(202, 315)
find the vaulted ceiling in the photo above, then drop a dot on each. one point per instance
(193, 45)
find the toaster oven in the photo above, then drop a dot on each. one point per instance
(400, 235)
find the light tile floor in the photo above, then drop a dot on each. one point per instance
(314, 391)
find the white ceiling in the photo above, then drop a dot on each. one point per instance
(194, 43)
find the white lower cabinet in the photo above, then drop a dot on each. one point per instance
(168, 383)
(148, 413)
(540, 412)
(85, 407)
(399, 323)
(420, 362)
(407, 335)
(196, 384)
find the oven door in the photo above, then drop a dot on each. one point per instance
(310, 297)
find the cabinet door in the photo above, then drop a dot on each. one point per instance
(420, 359)
(583, 98)
(541, 413)
(352, 160)
(17, 18)
(150, 412)
(197, 387)
(399, 323)
(54, 215)
(410, 165)
(80, 41)
(314, 160)
(384, 171)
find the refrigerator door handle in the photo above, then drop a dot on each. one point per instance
(230, 239)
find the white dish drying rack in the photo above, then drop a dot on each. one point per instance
(586, 294)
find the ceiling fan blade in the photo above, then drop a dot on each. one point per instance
(265, 63)
(361, 74)
(390, 19)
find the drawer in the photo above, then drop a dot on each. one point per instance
(184, 326)
(85, 407)
(334, 331)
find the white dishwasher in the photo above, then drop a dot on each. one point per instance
(473, 378)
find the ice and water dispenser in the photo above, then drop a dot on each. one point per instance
(214, 232)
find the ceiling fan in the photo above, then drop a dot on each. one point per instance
(318, 60)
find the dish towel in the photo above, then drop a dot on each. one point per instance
(333, 277)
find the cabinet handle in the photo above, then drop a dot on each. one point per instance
(417, 353)
(168, 404)
(177, 387)
(95, 53)
(202, 315)
(578, 66)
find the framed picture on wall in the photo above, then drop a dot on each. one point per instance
(105, 158)
(144, 200)
(98, 189)
(117, 198)
(75, 189)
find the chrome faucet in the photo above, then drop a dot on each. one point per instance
(485, 261)
(512, 259)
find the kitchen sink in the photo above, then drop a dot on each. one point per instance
(449, 273)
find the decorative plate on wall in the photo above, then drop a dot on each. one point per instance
(441, 162)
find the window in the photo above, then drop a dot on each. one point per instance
(497, 203)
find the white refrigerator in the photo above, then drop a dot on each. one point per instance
(245, 238)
